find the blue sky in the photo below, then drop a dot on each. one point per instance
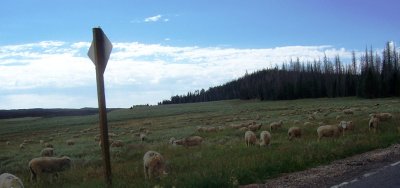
(163, 48)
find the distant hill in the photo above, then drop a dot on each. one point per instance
(40, 112)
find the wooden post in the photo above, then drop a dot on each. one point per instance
(100, 62)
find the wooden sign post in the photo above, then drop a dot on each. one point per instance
(99, 53)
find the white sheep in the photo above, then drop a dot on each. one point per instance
(373, 123)
(47, 152)
(153, 165)
(328, 131)
(51, 165)
(275, 125)
(189, 141)
(22, 146)
(294, 132)
(348, 111)
(8, 180)
(250, 138)
(265, 138)
(346, 125)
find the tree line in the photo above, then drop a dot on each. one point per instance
(372, 75)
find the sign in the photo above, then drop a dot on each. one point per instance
(104, 49)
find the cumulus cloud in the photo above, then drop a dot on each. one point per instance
(153, 18)
(143, 73)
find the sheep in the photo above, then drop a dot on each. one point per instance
(171, 140)
(22, 146)
(41, 141)
(47, 152)
(142, 136)
(346, 125)
(109, 142)
(244, 129)
(201, 129)
(294, 132)
(250, 138)
(189, 141)
(338, 117)
(328, 131)
(153, 165)
(373, 123)
(275, 125)
(382, 116)
(348, 111)
(48, 145)
(265, 138)
(237, 126)
(255, 127)
(211, 129)
(8, 143)
(117, 143)
(10, 181)
(307, 123)
(51, 165)
(70, 142)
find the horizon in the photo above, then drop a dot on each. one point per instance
(159, 52)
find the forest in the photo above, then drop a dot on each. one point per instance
(372, 75)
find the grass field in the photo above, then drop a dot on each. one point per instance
(222, 160)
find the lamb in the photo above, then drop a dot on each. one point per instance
(47, 152)
(328, 131)
(153, 165)
(51, 165)
(346, 125)
(10, 181)
(265, 138)
(255, 127)
(250, 138)
(373, 123)
(294, 132)
(189, 141)
(70, 142)
(275, 125)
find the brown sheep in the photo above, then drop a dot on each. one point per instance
(153, 165)
(265, 138)
(250, 138)
(275, 125)
(51, 165)
(70, 142)
(10, 181)
(373, 123)
(328, 131)
(294, 132)
(189, 141)
(47, 152)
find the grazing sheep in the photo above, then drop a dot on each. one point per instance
(22, 146)
(243, 129)
(275, 125)
(346, 125)
(8, 143)
(294, 132)
(311, 117)
(338, 117)
(382, 116)
(255, 127)
(265, 138)
(10, 181)
(171, 140)
(373, 123)
(189, 141)
(48, 145)
(153, 165)
(296, 122)
(70, 142)
(328, 131)
(201, 129)
(221, 128)
(51, 165)
(237, 126)
(348, 111)
(28, 141)
(117, 143)
(307, 123)
(142, 136)
(250, 138)
(47, 152)
(41, 141)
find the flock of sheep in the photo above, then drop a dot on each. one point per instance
(154, 163)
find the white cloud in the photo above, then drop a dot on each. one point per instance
(153, 18)
(136, 73)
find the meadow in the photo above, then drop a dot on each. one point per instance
(223, 160)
